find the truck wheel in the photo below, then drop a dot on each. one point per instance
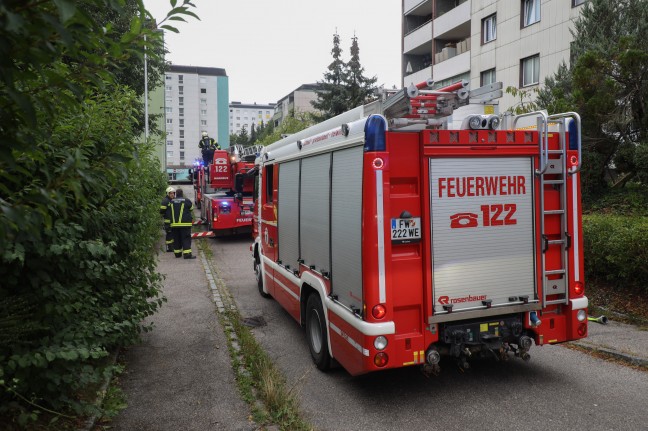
(316, 333)
(259, 277)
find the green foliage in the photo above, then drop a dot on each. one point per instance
(359, 87)
(344, 86)
(79, 196)
(293, 123)
(616, 249)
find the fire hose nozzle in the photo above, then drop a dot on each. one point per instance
(601, 319)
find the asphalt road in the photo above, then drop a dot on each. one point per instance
(558, 388)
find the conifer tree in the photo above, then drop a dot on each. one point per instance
(332, 95)
(359, 87)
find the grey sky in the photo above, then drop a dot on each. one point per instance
(269, 48)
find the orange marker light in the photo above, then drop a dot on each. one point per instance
(381, 359)
(379, 311)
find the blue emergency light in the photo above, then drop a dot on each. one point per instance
(374, 130)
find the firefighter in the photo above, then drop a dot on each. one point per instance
(181, 221)
(164, 207)
(208, 145)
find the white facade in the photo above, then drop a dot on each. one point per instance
(298, 101)
(192, 105)
(518, 42)
(243, 115)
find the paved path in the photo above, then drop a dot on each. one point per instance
(180, 377)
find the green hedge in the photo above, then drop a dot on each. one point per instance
(79, 230)
(616, 249)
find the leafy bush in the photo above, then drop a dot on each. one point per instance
(79, 275)
(79, 196)
(616, 249)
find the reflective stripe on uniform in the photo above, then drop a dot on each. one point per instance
(187, 251)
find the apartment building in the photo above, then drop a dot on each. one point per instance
(196, 100)
(244, 115)
(518, 42)
(298, 100)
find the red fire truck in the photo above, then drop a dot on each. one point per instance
(396, 239)
(223, 190)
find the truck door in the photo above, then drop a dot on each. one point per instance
(268, 225)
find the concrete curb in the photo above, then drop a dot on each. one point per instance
(622, 356)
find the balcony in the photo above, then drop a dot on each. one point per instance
(454, 24)
(453, 66)
(417, 77)
(419, 41)
(417, 7)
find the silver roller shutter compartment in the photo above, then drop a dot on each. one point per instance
(314, 212)
(346, 226)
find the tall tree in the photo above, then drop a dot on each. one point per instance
(360, 88)
(333, 95)
(608, 86)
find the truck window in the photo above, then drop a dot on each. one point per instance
(269, 181)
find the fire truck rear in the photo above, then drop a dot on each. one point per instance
(396, 239)
(223, 191)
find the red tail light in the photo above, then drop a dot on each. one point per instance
(381, 359)
(582, 329)
(379, 311)
(579, 288)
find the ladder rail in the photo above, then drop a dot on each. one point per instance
(577, 119)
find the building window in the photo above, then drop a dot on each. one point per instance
(489, 28)
(488, 77)
(203, 90)
(169, 154)
(168, 87)
(182, 156)
(181, 101)
(168, 109)
(169, 132)
(530, 12)
(180, 78)
(530, 71)
(169, 120)
(203, 112)
(168, 77)
(203, 101)
(182, 145)
(577, 2)
(181, 134)
(181, 122)
(203, 122)
(180, 89)
(170, 143)
(181, 112)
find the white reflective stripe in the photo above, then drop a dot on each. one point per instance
(575, 227)
(285, 273)
(284, 287)
(351, 341)
(579, 303)
(366, 328)
(381, 237)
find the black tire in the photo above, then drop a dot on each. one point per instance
(259, 277)
(316, 333)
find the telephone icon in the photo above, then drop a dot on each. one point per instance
(461, 220)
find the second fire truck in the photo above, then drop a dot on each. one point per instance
(396, 238)
(223, 190)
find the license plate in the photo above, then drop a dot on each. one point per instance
(405, 230)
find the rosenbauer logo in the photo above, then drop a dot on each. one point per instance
(445, 300)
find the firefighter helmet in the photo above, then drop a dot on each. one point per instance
(170, 190)
(204, 134)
